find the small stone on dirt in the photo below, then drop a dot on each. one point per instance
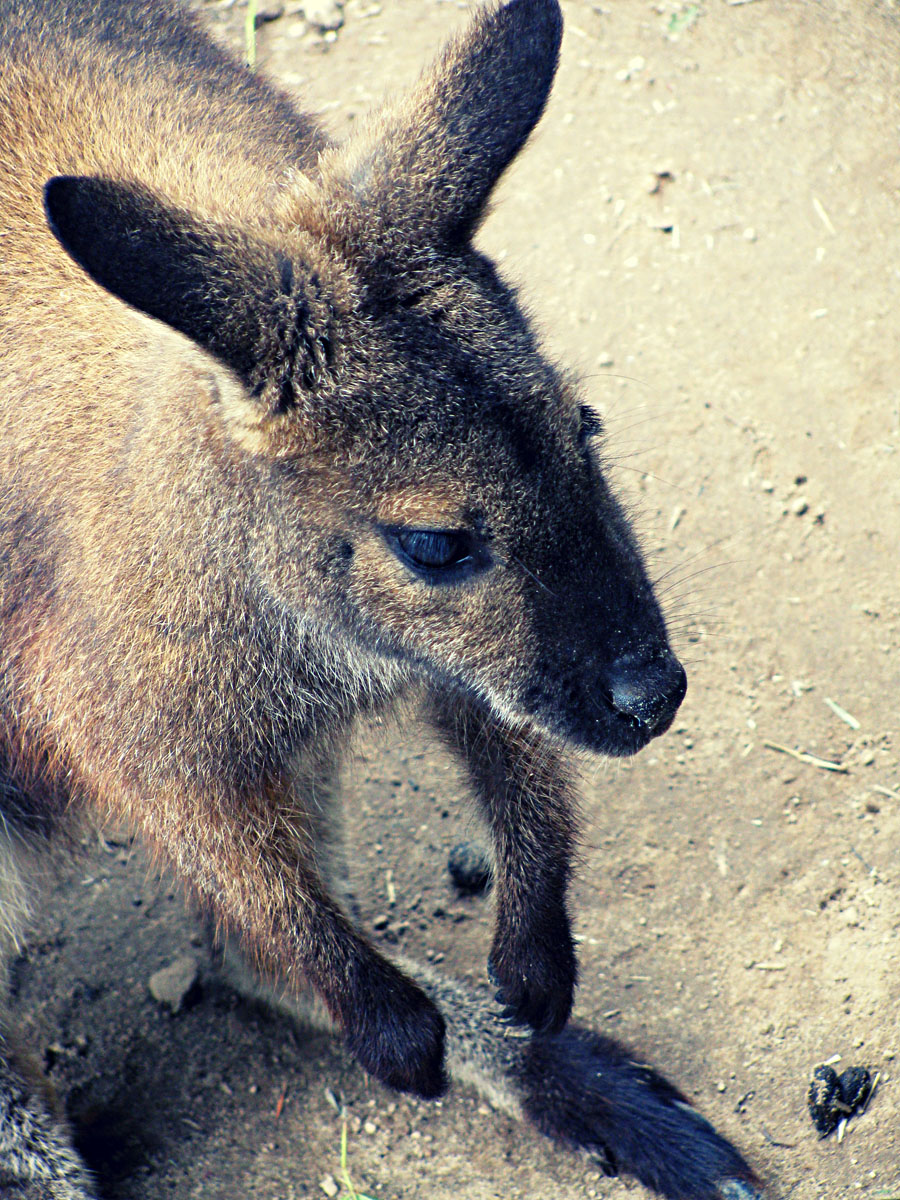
(324, 14)
(173, 985)
(470, 868)
(328, 1186)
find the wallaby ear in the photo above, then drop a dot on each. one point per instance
(429, 163)
(241, 300)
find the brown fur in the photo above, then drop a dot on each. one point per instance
(240, 369)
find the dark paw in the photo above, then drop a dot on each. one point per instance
(587, 1092)
(399, 1039)
(535, 979)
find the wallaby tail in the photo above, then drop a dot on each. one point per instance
(586, 1092)
(576, 1087)
(37, 1161)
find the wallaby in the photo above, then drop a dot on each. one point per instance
(279, 448)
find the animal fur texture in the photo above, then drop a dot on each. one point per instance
(278, 449)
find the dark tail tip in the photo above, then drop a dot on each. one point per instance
(585, 1091)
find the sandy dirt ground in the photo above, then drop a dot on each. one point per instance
(705, 226)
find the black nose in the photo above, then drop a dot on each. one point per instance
(646, 691)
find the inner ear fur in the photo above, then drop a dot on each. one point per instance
(427, 164)
(258, 311)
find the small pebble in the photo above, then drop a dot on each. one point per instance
(324, 14)
(800, 506)
(328, 1186)
(173, 985)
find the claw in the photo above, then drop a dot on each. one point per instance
(508, 1016)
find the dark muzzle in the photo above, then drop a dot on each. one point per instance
(645, 691)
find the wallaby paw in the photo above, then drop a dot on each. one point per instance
(585, 1091)
(400, 1041)
(535, 981)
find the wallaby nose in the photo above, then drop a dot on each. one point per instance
(646, 691)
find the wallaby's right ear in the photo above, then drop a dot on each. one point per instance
(255, 310)
(427, 165)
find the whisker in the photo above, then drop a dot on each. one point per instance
(685, 579)
(532, 575)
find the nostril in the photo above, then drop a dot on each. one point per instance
(627, 701)
(647, 693)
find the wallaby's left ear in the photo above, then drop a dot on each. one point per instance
(428, 164)
(259, 313)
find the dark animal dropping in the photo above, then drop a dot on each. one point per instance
(832, 1097)
(469, 867)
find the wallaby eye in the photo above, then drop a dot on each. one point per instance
(431, 547)
(591, 424)
(438, 555)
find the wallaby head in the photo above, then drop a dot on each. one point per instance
(424, 483)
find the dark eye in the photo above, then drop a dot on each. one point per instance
(591, 424)
(432, 547)
(438, 555)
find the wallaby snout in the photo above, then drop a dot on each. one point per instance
(645, 692)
